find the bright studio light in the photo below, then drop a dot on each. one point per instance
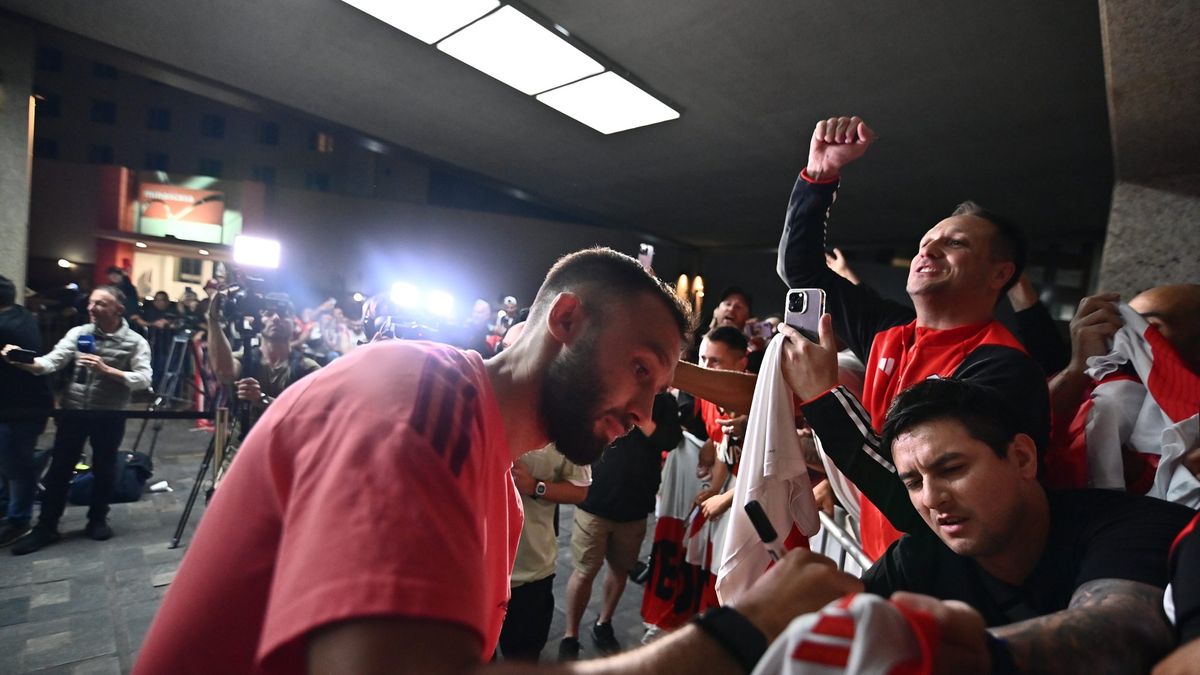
(519, 52)
(405, 295)
(358, 297)
(608, 103)
(440, 304)
(65, 264)
(426, 20)
(256, 252)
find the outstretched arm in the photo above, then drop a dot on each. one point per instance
(1111, 625)
(802, 582)
(728, 389)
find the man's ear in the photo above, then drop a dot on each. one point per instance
(1001, 273)
(1024, 451)
(564, 321)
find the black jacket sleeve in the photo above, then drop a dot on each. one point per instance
(1185, 582)
(1036, 330)
(858, 312)
(844, 428)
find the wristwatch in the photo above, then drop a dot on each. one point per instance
(539, 490)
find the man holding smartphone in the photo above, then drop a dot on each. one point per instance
(963, 265)
(111, 361)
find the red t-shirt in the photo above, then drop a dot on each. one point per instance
(379, 486)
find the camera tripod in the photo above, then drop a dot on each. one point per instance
(219, 451)
(168, 381)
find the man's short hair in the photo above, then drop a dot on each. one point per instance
(730, 337)
(116, 270)
(979, 409)
(604, 277)
(8, 291)
(116, 293)
(1008, 244)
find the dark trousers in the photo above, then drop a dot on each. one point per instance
(17, 468)
(527, 623)
(106, 436)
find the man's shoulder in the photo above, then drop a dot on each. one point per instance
(1093, 504)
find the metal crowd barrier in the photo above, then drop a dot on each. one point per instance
(839, 527)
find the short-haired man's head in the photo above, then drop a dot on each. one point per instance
(730, 337)
(117, 294)
(1008, 242)
(603, 279)
(980, 410)
(8, 292)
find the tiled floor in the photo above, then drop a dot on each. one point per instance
(82, 607)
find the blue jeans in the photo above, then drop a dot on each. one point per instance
(17, 441)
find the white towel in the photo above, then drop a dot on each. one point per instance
(772, 472)
(1127, 413)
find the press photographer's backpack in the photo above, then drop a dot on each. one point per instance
(132, 472)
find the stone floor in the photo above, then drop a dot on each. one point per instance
(82, 607)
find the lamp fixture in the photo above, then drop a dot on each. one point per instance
(608, 103)
(140, 244)
(424, 20)
(519, 52)
(530, 54)
(256, 252)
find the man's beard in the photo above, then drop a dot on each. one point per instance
(570, 398)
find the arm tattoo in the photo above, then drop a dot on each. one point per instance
(1111, 626)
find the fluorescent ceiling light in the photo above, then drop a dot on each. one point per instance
(608, 103)
(426, 20)
(255, 251)
(519, 52)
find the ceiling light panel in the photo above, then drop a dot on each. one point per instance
(426, 20)
(608, 103)
(519, 52)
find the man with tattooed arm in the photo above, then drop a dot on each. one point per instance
(1066, 581)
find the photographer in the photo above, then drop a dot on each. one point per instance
(111, 362)
(261, 372)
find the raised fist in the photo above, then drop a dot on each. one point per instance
(835, 143)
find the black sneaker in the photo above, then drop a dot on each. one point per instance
(37, 539)
(98, 530)
(10, 533)
(568, 649)
(606, 641)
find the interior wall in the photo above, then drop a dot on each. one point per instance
(468, 253)
(1152, 65)
(16, 85)
(153, 272)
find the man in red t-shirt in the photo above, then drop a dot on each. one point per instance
(370, 520)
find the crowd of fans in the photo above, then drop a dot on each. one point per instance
(1029, 501)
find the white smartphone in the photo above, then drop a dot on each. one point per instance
(803, 310)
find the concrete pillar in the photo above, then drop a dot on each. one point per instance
(16, 125)
(1152, 66)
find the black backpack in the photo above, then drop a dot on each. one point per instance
(132, 472)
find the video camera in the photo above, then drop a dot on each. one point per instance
(244, 303)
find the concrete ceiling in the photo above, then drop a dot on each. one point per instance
(1001, 102)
